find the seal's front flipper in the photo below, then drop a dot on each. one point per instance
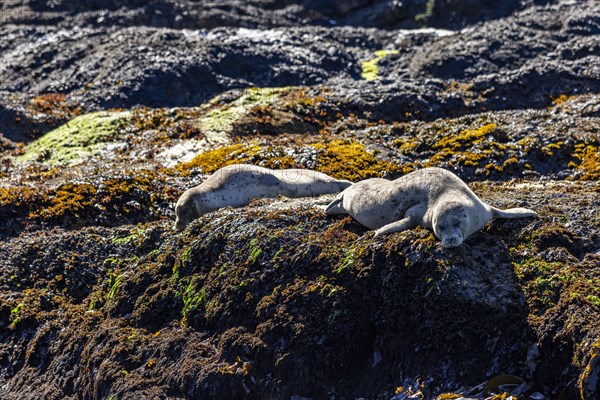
(398, 226)
(513, 213)
(335, 207)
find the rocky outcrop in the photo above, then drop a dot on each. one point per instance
(110, 110)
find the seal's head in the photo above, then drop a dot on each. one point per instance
(450, 225)
(186, 210)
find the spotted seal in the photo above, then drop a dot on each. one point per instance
(433, 198)
(237, 185)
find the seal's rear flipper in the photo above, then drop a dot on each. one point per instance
(335, 207)
(513, 213)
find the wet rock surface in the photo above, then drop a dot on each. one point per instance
(110, 110)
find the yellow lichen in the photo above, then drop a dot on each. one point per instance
(548, 149)
(589, 157)
(340, 159)
(591, 374)
(351, 160)
(489, 168)
(18, 196)
(70, 197)
(527, 144)
(370, 70)
(510, 161)
(406, 146)
(210, 161)
(428, 12)
(466, 137)
(454, 148)
(449, 396)
(561, 99)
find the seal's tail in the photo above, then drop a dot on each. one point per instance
(335, 207)
(346, 184)
(513, 213)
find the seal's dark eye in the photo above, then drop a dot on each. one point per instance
(457, 225)
(442, 227)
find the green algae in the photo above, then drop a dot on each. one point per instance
(347, 261)
(592, 299)
(80, 138)
(255, 252)
(192, 299)
(548, 283)
(221, 119)
(370, 68)
(429, 6)
(15, 315)
(130, 239)
(114, 282)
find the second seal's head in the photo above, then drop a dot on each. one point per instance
(450, 226)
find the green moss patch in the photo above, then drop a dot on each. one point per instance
(167, 124)
(548, 284)
(76, 140)
(221, 118)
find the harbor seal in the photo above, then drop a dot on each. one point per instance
(237, 185)
(433, 198)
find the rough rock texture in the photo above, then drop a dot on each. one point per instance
(263, 14)
(518, 61)
(110, 110)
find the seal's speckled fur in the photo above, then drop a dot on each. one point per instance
(237, 185)
(433, 198)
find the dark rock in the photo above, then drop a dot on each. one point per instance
(99, 298)
(458, 13)
(518, 62)
(124, 67)
(263, 14)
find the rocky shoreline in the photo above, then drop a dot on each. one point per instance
(110, 110)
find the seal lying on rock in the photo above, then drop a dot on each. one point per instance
(237, 185)
(433, 198)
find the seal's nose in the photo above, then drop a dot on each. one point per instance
(179, 225)
(452, 241)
